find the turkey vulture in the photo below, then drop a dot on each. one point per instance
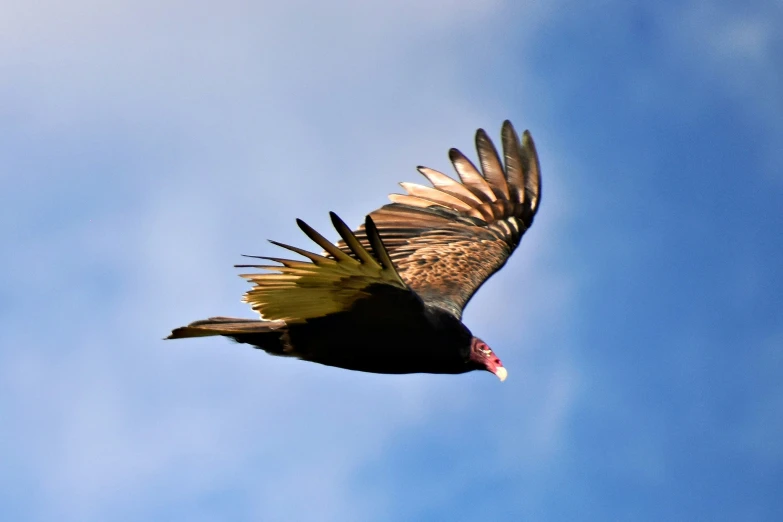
(388, 297)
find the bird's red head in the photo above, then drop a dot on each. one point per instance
(485, 358)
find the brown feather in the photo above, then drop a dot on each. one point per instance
(533, 170)
(512, 155)
(436, 196)
(490, 165)
(413, 201)
(445, 184)
(446, 240)
(470, 176)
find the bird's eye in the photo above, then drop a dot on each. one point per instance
(486, 352)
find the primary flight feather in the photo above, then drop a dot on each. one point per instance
(388, 297)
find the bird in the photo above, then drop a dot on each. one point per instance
(388, 297)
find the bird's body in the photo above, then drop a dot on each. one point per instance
(420, 344)
(388, 297)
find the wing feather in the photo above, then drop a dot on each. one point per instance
(445, 184)
(533, 168)
(350, 239)
(515, 170)
(315, 258)
(446, 240)
(470, 176)
(414, 201)
(491, 166)
(324, 243)
(296, 291)
(436, 196)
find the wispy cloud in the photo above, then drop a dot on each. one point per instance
(742, 47)
(170, 139)
(145, 146)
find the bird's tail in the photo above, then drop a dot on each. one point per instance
(266, 335)
(228, 326)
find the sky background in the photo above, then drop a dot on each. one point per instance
(145, 145)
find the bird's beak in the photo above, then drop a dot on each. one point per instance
(501, 372)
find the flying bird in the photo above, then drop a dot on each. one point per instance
(388, 297)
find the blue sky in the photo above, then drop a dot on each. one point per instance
(145, 145)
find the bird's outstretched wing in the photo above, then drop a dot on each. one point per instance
(295, 291)
(446, 240)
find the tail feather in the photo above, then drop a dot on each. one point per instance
(228, 326)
